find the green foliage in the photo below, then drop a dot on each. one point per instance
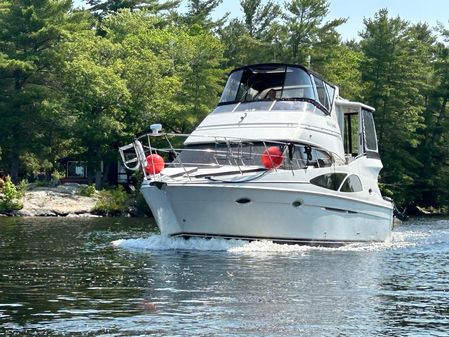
(11, 196)
(395, 70)
(254, 39)
(30, 104)
(112, 202)
(102, 8)
(88, 190)
(21, 188)
(199, 13)
(309, 38)
(57, 175)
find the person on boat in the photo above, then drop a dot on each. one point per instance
(271, 95)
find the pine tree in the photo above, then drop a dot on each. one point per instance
(309, 38)
(253, 39)
(258, 17)
(200, 13)
(102, 8)
(395, 75)
(433, 152)
(30, 34)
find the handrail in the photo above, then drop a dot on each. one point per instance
(225, 150)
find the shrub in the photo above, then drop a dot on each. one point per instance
(11, 196)
(21, 188)
(112, 202)
(88, 191)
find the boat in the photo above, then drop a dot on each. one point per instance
(282, 157)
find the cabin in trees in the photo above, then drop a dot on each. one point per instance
(77, 169)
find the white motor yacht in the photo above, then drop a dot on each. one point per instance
(283, 157)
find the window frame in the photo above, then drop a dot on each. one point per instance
(371, 153)
(349, 177)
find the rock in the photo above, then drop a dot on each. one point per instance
(23, 212)
(56, 201)
(35, 212)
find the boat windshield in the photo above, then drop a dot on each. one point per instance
(276, 82)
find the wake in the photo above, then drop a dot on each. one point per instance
(164, 243)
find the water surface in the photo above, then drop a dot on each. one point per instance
(118, 277)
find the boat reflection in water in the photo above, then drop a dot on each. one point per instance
(283, 157)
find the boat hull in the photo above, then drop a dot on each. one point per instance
(263, 212)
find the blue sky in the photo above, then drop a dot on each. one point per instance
(429, 11)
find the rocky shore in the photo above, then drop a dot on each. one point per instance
(62, 200)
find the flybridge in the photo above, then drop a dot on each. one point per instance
(278, 102)
(277, 82)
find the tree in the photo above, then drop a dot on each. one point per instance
(177, 75)
(199, 13)
(344, 70)
(395, 73)
(254, 39)
(258, 17)
(310, 40)
(137, 73)
(433, 152)
(30, 35)
(96, 97)
(102, 8)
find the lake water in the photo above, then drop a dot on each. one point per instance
(117, 277)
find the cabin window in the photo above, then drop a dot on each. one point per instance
(232, 87)
(330, 92)
(331, 181)
(297, 84)
(322, 93)
(351, 134)
(369, 131)
(352, 184)
(270, 82)
(76, 169)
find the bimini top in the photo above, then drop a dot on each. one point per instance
(277, 81)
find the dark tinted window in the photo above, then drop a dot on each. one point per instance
(352, 184)
(331, 181)
(351, 134)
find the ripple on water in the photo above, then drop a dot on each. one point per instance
(79, 284)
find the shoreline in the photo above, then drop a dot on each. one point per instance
(62, 200)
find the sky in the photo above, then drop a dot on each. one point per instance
(429, 11)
